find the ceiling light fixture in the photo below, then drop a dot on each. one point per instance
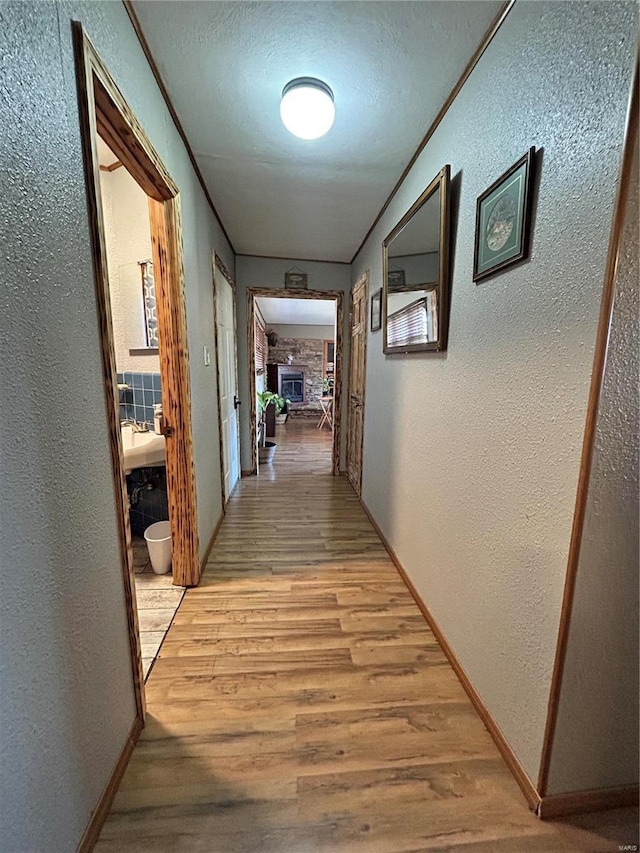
(307, 109)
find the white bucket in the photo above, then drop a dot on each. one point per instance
(158, 538)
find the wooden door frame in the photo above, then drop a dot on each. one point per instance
(221, 268)
(270, 293)
(362, 281)
(104, 111)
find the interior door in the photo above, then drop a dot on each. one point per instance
(357, 370)
(227, 382)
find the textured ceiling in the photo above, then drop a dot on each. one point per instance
(391, 66)
(307, 312)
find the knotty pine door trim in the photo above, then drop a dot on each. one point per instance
(104, 111)
(361, 284)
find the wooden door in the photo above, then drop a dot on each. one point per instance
(357, 371)
(227, 379)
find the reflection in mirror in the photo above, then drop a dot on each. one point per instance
(149, 304)
(416, 273)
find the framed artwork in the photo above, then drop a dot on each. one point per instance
(503, 220)
(295, 280)
(376, 311)
(395, 279)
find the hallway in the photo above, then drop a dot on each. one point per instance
(300, 702)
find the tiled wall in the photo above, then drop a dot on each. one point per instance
(145, 393)
(137, 402)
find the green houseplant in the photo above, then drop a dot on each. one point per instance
(327, 386)
(267, 449)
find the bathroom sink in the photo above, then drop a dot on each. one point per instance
(142, 449)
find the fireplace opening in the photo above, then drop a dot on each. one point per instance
(292, 386)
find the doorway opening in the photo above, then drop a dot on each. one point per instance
(134, 324)
(295, 376)
(105, 115)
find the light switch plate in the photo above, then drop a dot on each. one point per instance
(207, 356)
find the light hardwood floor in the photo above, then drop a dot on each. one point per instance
(300, 703)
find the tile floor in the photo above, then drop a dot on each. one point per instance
(157, 600)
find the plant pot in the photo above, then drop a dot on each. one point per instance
(281, 419)
(266, 453)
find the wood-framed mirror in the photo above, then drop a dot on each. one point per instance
(416, 274)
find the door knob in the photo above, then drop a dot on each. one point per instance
(236, 402)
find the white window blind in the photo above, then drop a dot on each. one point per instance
(408, 325)
(416, 323)
(261, 346)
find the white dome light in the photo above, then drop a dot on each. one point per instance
(307, 109)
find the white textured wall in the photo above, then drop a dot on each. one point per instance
(471, 457)
(302, 330)
(66, 698)
(268, 272)
(596, 740)
(128, 235)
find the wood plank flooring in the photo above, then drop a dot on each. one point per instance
(300, 703)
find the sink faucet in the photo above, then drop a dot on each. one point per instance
(135, 426)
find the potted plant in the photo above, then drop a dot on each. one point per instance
(282, 410)
(267, 449)
(327, 386)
